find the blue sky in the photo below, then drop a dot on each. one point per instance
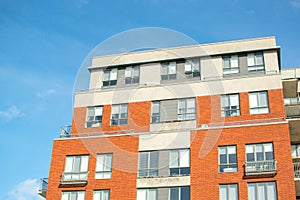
(43, 43)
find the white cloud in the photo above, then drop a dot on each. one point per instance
(295, 3)
(26, 190)
(46, 93)
(10, 113)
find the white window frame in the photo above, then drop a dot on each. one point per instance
(155, 112)
(232, 107)
(104, 166)
(118, 116)
(72, 172)
(254, 148)
(94, 116)
(229, 150)
(179, 160)
(101, 195)
(256, 103)
(229, 192)
(146, 194)
(192, 68)
(150, 171)
(187, 109)
(168, 71)
(132, 75)
(269, 191)
(255, 61)
(73, 195)
(231, 64)
(110, 77)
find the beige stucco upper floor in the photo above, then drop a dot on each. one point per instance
(200, 50)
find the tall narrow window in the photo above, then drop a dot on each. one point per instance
(230, 105)
(258, 102)
(101, 195)
(132, 75)
(146, 194)
(255, 61)
(76, 168)
(262, 191)
(230, 64)
(186, 109)
(119, 114)
(192, 68)
(229, 192)
(94, 116)
(73, 195)
(148, 164)
(110, 77)
(155, 112)
(103, 166)
(168, 71)
(179, 162)
(179, 193)
(227, 159)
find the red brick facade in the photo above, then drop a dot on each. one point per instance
(205, 178)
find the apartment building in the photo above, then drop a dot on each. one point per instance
(193, 122)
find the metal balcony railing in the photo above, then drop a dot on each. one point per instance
(43, 187)
(296, 170)
(265, 167)
(74, 178)
(65, 131)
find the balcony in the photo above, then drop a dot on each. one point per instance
(65, 131)
(77, 178)
(296, 170)
(292, 111)
(43, 187)
(260, 168)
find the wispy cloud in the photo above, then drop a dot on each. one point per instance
(295, 3)
(25, 190)
(45, 93)
(80, 3)
(11, 113)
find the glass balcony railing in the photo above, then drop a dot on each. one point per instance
(65, 131)
(43, 187)
(265, 167)
(74, 178)
(296, 170)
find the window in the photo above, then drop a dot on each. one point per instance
(255, 61)
(119, 114)
(94, 116)
(259, 152)
(168, 71)
(148, 164)
(155, 112)
(103, 166)
(110, 77)
(229, 192)
(179, 162)
(230, 105)
(73, 195)
(186, 109)
(146, 194)
(262, 191)
(101, 195)
(192, 68)
(76, 168)
(179, 193)
(258, 102)
(132, 75)
(227, 159)
(295, 150)
(230, 64)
